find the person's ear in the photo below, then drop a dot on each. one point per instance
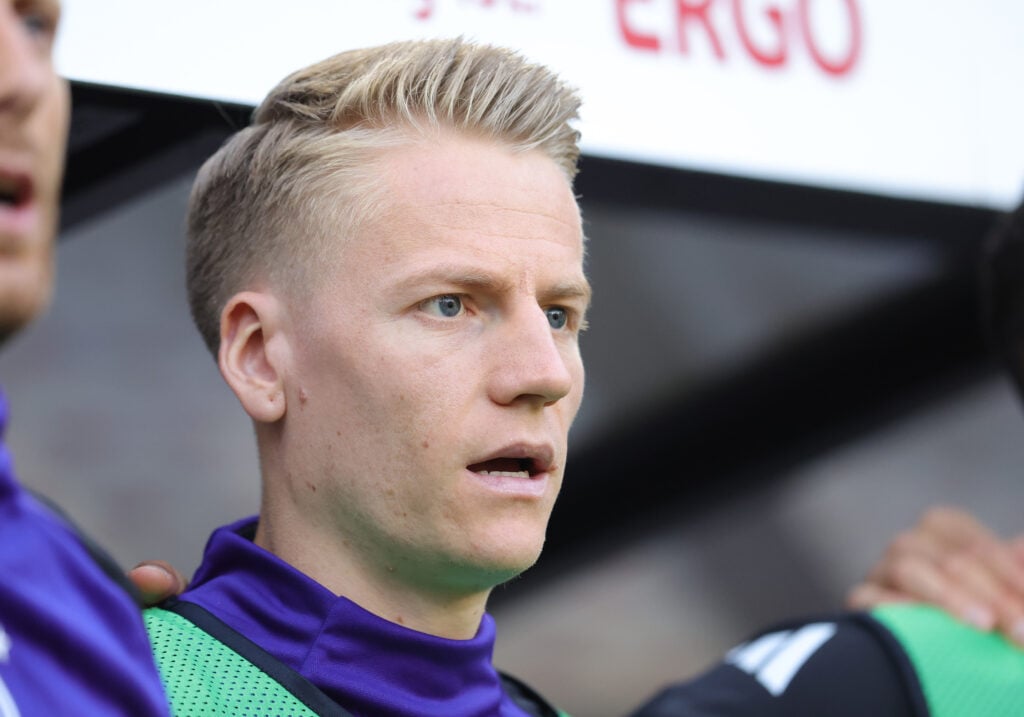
(248, 332)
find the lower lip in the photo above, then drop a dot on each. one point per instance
(17, 223)
(532, 487)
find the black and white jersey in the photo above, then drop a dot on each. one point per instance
(901, 661)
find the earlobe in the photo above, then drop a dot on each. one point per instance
(247, 326)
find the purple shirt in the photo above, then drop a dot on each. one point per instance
(71, 640)
(366, 664)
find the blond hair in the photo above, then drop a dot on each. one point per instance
(274, 200)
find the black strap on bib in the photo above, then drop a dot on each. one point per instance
(304, 690)
(301, 688)
(526, 698)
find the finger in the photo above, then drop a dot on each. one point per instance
(939, 532)
(866, 596)
(1017, 548)
(955, 528)
(975, 594)
(157, 580)
(1010, 620)
(987, 570)
(974, 575)
(962, 606)
(1001, 561)
(910, 545)
(957, 588)
(914, 574)
(1006, 598)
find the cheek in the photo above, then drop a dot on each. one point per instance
(426, 382)
(50, 128)
(400, 394)
(391, 409)
(429, 416)
(575, 397)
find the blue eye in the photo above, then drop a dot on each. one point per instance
(447, 305)
(36, 24)
(557, 317)
(39, 22)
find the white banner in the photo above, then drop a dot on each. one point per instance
(912, 98)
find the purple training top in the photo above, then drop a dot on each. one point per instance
(366, 664)
(71, 640)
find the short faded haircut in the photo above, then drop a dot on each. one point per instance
(272, 202)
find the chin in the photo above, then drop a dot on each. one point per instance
(26, 286)
(507, 560)
(17, 309)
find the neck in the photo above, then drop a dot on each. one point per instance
(387, 591)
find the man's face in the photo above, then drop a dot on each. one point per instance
(437, 374)
(33, 133)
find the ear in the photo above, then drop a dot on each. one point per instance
(248, 328)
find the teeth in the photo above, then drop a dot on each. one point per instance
(506, 474)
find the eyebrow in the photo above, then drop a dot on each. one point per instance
(454, 275)
(460, 276)
(569, 290)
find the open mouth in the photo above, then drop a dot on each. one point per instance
(15, 191)
(507, 467)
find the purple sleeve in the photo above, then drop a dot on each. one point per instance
(71, 640)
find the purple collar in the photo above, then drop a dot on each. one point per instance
(363, 662)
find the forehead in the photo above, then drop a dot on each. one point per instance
(456, 192)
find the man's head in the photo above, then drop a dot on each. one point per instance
(282, 194)
(33, 132)
(389, 265)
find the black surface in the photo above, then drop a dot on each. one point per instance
(124, 143)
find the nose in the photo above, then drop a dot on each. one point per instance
(24, 65)
(530, 364)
